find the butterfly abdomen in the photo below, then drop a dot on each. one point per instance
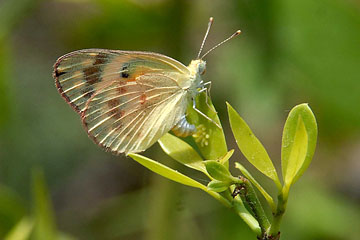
(183, 128)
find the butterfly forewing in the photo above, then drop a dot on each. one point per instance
(127, 100)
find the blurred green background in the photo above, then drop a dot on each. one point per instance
(290, 52)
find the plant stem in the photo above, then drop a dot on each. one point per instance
(280, 210)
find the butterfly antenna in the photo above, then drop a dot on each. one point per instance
(221, 43)
(211, 20)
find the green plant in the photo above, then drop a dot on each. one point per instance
(238, 192)
(40, 223)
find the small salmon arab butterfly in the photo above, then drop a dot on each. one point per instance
(127, 100)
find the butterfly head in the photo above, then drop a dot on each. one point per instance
(201, 67)
(197, 67)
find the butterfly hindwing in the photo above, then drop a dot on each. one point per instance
(127, 100)
(136, 118)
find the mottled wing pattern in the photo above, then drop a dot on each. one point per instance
(127, 100)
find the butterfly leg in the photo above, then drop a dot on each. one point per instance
(208, 95)
(204, 115)
(183, 128)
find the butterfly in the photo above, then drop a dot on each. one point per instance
(127, 100)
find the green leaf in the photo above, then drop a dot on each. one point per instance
(218, 186)
(12, 209)
(44, 216)
(181, 152)
(293, 162)
(209, 138)
(267, 196)
(251, 147)
(21, 231)
(225, 159)
(218, 171)
(298, 143)
(175, 176)
(249, 219)
(165, 171)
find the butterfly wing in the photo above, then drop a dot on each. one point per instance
(127, 100)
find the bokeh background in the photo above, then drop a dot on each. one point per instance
(290, 52)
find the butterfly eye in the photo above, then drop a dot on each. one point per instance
(202, 67)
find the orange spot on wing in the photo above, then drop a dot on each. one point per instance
(115, 111)
(143, 98)
(113, 103)
(122, 90)
(133, 79)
